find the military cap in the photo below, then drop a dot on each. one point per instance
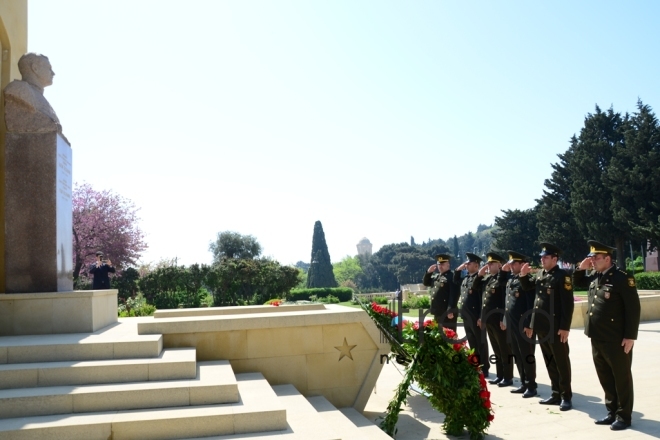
(442, 258)
(517, 256)
(493, 257)
(472, 258)
(599, 248)
(549, 249)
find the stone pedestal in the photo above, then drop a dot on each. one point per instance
(82, 311)
(38, 213)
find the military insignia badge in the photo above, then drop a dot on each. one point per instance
(567, 280)
(631, 282)
(568, 287)
(607, 295)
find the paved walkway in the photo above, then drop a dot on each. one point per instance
(518, 418)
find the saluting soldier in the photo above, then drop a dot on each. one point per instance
(492, 315)
(518, 302)
(445, 293)
(551, 320)
(469, 306)
(612, 323)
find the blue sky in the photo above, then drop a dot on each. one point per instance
(383, 119)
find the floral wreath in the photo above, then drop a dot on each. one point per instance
(447, 371)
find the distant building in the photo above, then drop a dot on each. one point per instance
(364, 247)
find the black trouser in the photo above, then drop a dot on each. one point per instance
(555, 356)
(523, 350)
(613, 367)
(501, 348)
(448, 323)
(476, 341)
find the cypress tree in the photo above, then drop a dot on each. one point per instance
(320, 272)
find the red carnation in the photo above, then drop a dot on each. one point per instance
(450, 333)
(457, 347)
(482, 381)
(491, 417)
(486, 404)
(484, 394)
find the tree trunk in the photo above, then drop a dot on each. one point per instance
(620, 253)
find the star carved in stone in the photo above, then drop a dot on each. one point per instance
(345, 350)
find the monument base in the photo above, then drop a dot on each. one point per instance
(80, 311)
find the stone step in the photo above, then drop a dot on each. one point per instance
(214, 383)
(258, 410)
(304, 423)
(170, 365)
(347, 422)
(78, 347)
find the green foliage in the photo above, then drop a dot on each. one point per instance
(126, 283)
(517, 231)
(648, 281)
(238, 282)
(230, 244)
(342, 293)
(635, 266)
(330, 299)
(135, 306)
(320, 272)
(348, 269)
(175, 286)
(417, 302)
(277, 301)
(381, 300)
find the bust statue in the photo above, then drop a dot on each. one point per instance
(26, 108)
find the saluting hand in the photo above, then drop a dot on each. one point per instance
(432, 268)
(462, 266)
(525, 270)
(483, 271)
(627, 345)
(587, 263)
(506, 267)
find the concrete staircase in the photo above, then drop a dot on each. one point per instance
(116, 384)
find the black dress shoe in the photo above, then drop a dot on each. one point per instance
(505, 383)
(496, 380)
(530, 393)
(552, 400)
(519, 390)
(565, 405)
(619, 425)
(605, 420)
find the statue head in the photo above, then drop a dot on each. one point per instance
(36, 70)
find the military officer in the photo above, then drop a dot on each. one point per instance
(469, 306)
(445, 293)
(551, 320)
(518, 302)
(492, 314)
(612, 323)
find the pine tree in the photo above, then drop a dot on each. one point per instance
(517, 231)
(320, 272)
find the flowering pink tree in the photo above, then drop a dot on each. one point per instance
(107, 222)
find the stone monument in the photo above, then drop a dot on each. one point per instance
(38, 223)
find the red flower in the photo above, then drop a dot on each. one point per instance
(450, 333)
(472, 359)
(482, 380)
(429, 323)
(457, 347)
(484, 394)
(486, 404)
(491, 417)
(416, 325)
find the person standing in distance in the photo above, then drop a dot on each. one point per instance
(444, 299)
(518, 302)
(612, 323)
(492, 314)
(100, 270)
(469, 306)
(551, 320)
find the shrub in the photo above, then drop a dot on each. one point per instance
(274, 300)
(380, 300)
(342, 293)
(136, 306)
(330, 299)
(648, 280)
(417, 302)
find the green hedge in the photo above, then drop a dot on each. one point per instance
(343, 293)
(647, 280)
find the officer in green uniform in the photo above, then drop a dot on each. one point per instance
(612, 323)
(518, 302)
(445, 293)
(469, 306)
(492, 315)
(551, 320)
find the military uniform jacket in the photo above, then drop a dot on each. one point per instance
(518, 300)
(444, 291)
(469, 303)
(614, 309)
(554, 297)
(493, 298)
